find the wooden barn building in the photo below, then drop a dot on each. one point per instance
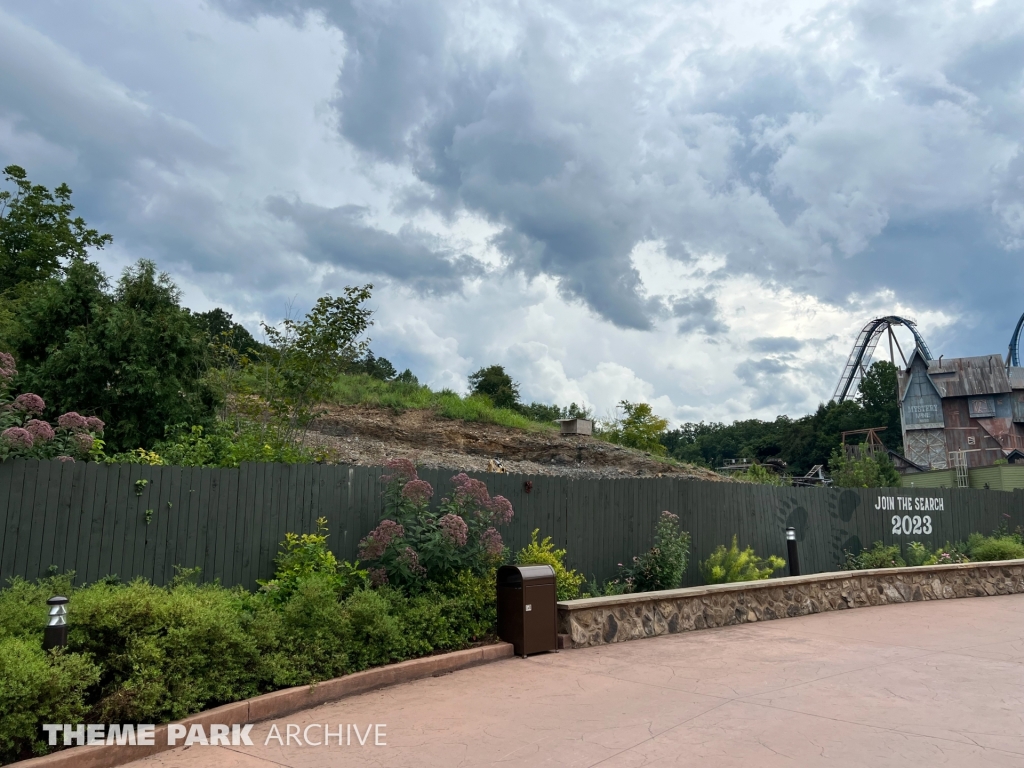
(966, 411)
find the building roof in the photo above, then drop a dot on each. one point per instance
(966, 376)
(1016, 376)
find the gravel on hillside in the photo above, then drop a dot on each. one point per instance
(367, 436)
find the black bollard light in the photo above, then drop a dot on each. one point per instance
(794, 561)
(56, 633)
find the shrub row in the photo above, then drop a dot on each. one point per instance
(141, 653)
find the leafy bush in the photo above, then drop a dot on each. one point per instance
(985, 548)
(544, 553)
(38, 687)
(917, 553)
(141, 653)
(728, 565)
(226, 444)
(414, 545)
(302, 556)
(947, 554)
(761, 475)
(864, 472)
(24, 433)
(660, 567)
(879, 556)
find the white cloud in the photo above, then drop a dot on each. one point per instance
(693, 204)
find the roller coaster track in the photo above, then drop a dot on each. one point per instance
(864, 348)
(1013, 355)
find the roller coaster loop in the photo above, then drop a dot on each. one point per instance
(864, 347)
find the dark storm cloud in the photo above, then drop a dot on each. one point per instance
(698, 312)
(340, 237)
(872, 145)
(579, 163)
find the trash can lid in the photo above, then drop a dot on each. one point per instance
(526, 574)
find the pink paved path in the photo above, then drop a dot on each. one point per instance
(939, 683)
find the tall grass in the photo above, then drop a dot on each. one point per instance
(361, 389)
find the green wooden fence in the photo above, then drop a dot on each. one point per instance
(229, 522)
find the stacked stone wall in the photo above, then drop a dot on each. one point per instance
(597, 621)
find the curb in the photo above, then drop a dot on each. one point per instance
(278, 704)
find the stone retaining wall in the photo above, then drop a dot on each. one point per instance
(600, 620)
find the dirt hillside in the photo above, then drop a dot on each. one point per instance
(365, 435)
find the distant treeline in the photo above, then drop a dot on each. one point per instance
(801, 442)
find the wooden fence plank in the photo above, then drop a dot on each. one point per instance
(16, 518)
(72, 516)
(91, 524)
(51, 514)
(31, 539)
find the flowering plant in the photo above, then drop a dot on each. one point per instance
(414, 544)
(24, 435)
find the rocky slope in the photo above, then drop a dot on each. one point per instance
(368, 436)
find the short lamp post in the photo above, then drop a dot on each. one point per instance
(56, 633)
(794, 560)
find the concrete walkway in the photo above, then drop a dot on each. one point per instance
(938, 683)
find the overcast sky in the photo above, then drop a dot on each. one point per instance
(695, 204)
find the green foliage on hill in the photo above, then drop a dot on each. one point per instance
(638, 428)
(801, 442)
(497, 385)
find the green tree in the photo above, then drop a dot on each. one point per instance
(497, 385)
(879, 396)
(305, 357)
(375, 367)
(133, 356)
(38, 236)
(638, 428)
(864, 472)
(223, 330)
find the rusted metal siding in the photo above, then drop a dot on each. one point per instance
(965, 376)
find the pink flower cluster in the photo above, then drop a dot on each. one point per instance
(73, 422)
(83, 442)
(400, 469)
(378, 576)
(474, 492)
(7, 369)
(379, 539)
(41, 431)
(454, 529)
(501, 510)
(491, 541)
(411, 560)
(418, 491)
(466, 489)
(17, 437)
(29, 403)
(95, 425)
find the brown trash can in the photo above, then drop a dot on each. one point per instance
(527, 608)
